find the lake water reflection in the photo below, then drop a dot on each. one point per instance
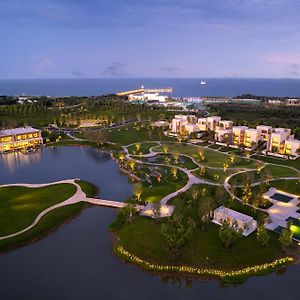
(76, 261)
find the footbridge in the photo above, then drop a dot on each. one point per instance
(109, 203)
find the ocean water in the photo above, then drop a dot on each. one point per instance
(182, 87)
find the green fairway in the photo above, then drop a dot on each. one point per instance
(19, 206)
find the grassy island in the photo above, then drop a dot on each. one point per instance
(20, 206)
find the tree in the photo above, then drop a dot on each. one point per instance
(204, 211)
(175, 233)
(128, 212)
(262, 236)
(285, 237)
(138, 189)
(247, 191)
(229, 233)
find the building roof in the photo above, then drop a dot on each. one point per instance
(19, 130)
(233, 214)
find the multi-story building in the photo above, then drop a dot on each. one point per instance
(213, 122)
(19, 138)
(264, 134)
(238, 133)
(224, 125)
(278, 137)
(202, 124)
(292, 147)
(251, 138)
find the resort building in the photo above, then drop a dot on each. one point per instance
(292, 147)
(19, 139)
(177, 125)
(191, 128)
(242, 221)
(224, 125)
(239, 135)
(264, 134)
(202, 124)
(213, 122)
(251, 138)
(223, 136)
(278, 138)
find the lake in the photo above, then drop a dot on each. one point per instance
(76, 261)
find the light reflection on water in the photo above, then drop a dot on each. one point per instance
(15, 161)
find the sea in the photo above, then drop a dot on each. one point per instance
(182, 87)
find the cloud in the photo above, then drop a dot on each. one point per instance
(294, 70)
(289, 61)
(77, 74)
(42, 65)
(115, 69)
(169, 69)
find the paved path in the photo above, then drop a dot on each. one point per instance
(192, 179)
(79, 196)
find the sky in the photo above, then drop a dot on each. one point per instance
(149, 38)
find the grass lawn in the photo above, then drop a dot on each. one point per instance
(279, 161)
(271, 171)
(19, 206)
(104, 146)
(214, 175)
(183, 161)
(89, 189)
(144, 148)
(157, 190)
(143, 238)
(47, 224)
(132, 133)
(212, 158)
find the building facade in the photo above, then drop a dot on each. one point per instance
(244, 222)
(19, 139)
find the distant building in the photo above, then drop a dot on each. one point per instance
(242, 221)
(19, 138)
(292, 102)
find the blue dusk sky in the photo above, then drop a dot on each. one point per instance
(149, 38)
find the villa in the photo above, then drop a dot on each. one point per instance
(244, 222)
(275, 141)
(213, 122)
(239, 134)
(251, 138)
(19, 138)
(278, 138)
(291, 147)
